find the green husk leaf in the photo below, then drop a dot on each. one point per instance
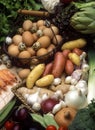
(38, 118)
(49, 120)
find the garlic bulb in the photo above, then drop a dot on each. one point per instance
(58, 95)
(32, 98)
(76, 74)
(57, 81)
(50, 4)
(76, 99)
(58, 106)
(36, 106)
(82, 85)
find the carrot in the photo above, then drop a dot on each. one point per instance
(58, 65)
(69, 67)
(77, 51)
(66, 52)
(48, 68)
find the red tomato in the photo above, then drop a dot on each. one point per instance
(63, 127)
(51, 127)
(9, 125)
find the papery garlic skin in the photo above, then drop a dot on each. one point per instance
(36, 106)
(50, 4)
(57, 81)
(82, 85)
(58, 106)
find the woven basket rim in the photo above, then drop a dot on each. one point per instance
(21, 98)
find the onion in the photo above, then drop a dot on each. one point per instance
(76, 99)
(48, 104)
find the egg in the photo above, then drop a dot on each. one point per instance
(23, 73)
(40, 23)
(17, 39)
(13, 50)
(51, 47)
(42, 27)
(57, 39)
(20, 30)
(27, 25)
(27, 38)
(35, 37)
(41, 51)
(55, 30)
(48, 32)
(31, 51)
(34, 27)
(24, 54)
(44, 41)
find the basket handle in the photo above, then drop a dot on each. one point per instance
(34, 13)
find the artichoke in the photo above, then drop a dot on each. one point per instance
(84, 19)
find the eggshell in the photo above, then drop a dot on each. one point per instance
(55, 30)
(40, 23)
(13, 50)
(42, 27)
(51, 47)
(35, 37)
(23, 73)
(31, 51)
(27, 38)
(58, 38)
(17, 39)
(24, 54)
(27, 25)
(41, 51)
(48, 32)
(44, 41)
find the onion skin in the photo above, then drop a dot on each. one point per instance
(48, 104)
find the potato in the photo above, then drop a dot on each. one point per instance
(79, 43)
(34, 75)
(45, 81)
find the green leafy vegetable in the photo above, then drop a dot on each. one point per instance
(9, 16)
(84, 119)
(44, 120)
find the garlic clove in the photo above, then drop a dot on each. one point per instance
(57, 81)
(68, 79)
(58, 94)
(36, 106)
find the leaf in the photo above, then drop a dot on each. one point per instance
(49, 120)
(38, 118)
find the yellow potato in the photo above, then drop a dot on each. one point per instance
(78, 43)
(45, 81)
(34, 75)
(74, 58)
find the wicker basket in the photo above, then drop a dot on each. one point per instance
(21, 98)
(27, 62)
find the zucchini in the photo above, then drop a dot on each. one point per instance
(5, 112)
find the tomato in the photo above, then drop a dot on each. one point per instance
(51, 127)
(63, 127)
(9, 125)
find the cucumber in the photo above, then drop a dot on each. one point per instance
(5, 112)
